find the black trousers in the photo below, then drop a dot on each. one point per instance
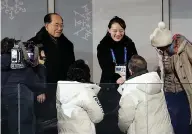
(109, 98)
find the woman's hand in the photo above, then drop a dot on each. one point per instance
(121, 80)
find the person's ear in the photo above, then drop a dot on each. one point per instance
(109, 30)
(46, 26)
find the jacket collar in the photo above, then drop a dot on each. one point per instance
(182, 42)
(138, 74)
(182, 46)
(43, 34)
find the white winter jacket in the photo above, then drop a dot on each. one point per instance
(78, 107)
(143, 108)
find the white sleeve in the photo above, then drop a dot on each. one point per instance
(126, 112)
(90, 103)
(121, 88)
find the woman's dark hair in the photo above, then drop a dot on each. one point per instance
(7, 44)
(79, 71)
(118, 20)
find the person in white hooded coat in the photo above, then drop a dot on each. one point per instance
(78, 108)
(143, 108)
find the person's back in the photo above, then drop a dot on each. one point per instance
(12, 89)
(143, 108)
(17, 91)
(78, 107)
(20, 77)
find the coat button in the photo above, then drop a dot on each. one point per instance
(184, 77)
(181, 66)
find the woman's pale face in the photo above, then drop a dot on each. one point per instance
(116, 32)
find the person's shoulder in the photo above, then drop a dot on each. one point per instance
(40, 36)
(129, 44)
(128, 40)
(66, 40)
(104, 43)
(188, 46)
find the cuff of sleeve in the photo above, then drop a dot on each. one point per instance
(116, 77)
(39, 93)
(41, 69)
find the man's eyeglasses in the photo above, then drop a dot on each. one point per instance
(58, 25)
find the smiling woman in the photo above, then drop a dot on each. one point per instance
(117, 28)
(113, 53)
(115, 49)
